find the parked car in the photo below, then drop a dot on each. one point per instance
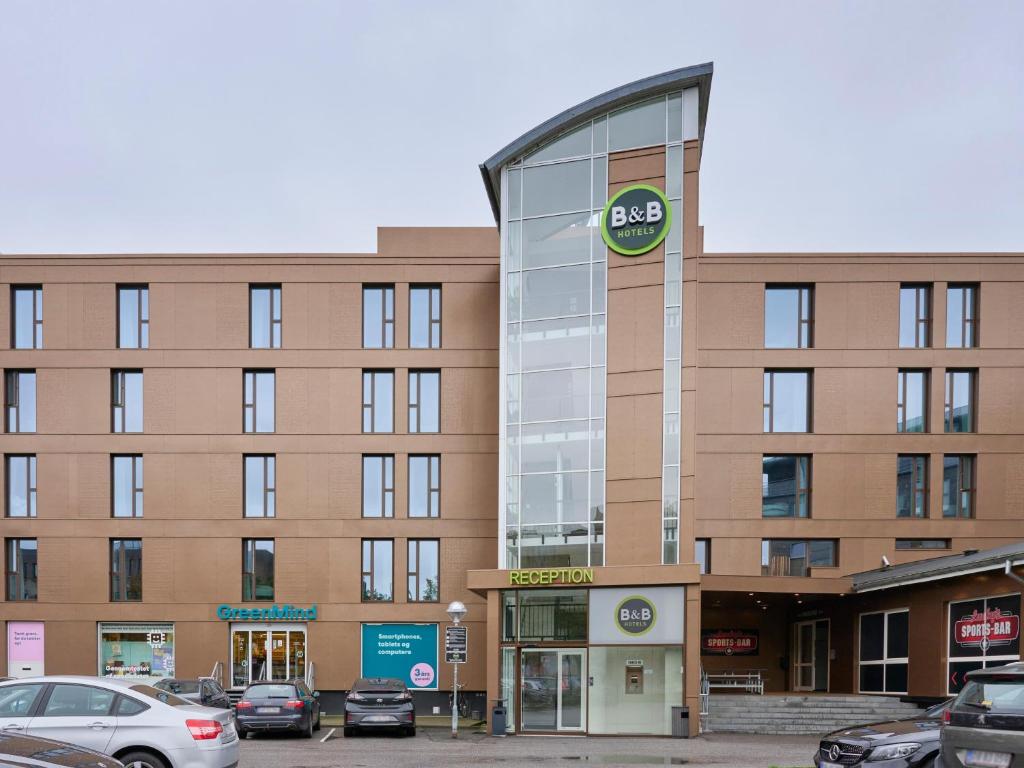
(379, 702)
(136, 723)
(205, 691)
(985, 725)
(278, 706)
(22, 751)
(911, 742)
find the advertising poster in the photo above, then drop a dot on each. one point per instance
(405, 651)
(25, 644)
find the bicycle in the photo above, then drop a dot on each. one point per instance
(463, 702)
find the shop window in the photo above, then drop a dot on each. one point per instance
(257, 569)
(21, 485)
(26, 317)
(917, 544)
(787, 401)
(424, 401)
(552, 615)
(425, 317)
(378, 571)
(425, 486)
(260, 485)
(634, 689)
(133, 316)
(960, 401)
(126, 496)
(915, 315)
(126, 401)
(378, 401)
(912, 486)
(21, 569)
(958, 486)
(258, 405)
(788, 557)
(884, 651)
(702, 554)
(137, 651)
(912, 401)
(984, 632)
(265, 316)
(962, 315)
(379, 486)
(424, 581)
(20, 401)
(378, 316)
(125, 570)
(788, 316)
(786, 486)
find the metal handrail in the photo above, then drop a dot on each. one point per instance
(311, 676)
(218, 673)
(705, 702)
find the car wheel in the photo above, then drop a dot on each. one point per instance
(317, 726)
(350, 733)
(307, 733)
(410, 731)
(142, 760)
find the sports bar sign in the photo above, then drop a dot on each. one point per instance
(728, 642)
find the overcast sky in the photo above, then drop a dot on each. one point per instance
(302, 126)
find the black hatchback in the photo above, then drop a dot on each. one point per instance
(379, 702)
(278, 706)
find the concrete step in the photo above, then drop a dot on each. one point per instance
(801, 714)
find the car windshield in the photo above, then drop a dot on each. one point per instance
(936, 710)
(995, 695)
(165, 697)
(179, 686)
(380, 685)
(270, 691)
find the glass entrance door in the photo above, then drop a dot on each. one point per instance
(810, 655)
(553, 689)
(267, 652)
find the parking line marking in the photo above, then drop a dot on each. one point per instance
(329, 734)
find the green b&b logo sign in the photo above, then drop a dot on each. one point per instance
(636, 219)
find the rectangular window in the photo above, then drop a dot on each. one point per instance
(125, 570)
(378, 316)
(142, 652)
(915, 315)
(378, 401)
(983, 632)
(424, 401)
(912, 486)
(788, 557)
(260, 485)
(21, 569)
(787, 401)
(425, 486)
(379, 486)
(265, 316)
(962, 315)
(257, 569)
(27, 316)
(126, 401)
(912, 401)
(425, 317)
(126, 496)
(960, 400)
(958, 486)
(21, 485)
(914, 544)
(884, 651)
(377, 571)
(258, 407)
(788, 316)
(424, 581)
(702, 554)
(785, 486)
(20, 401)
(133, 316)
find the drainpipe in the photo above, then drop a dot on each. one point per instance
(1011, 574)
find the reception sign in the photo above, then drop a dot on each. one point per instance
(25, 646)
(405, 651)
(728, 642)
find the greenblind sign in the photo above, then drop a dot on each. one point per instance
(636, 219)
(405, 651)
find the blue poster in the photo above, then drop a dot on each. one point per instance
(405, 651)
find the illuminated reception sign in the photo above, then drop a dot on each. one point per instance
(636, 219)
(728, 642)
(270, 613)
(545, 576)
(405, 651)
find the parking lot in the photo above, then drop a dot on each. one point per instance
(435, 747)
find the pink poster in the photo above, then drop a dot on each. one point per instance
(25, 642)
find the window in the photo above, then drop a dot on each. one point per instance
(72, 700)
(884, 650)
(20, 401)
(378, 316)
(787, 557)
(265, 316)
(425, 317)
(125, 570)
(912, 486)
(425, 486)
(915, 315)
(18, 699)
(21, 569)
(983, 632)
(959, 411)
(378, 486)
(259, 401)
(786, 486)
(27, 316)
(958, 486)
(126, 401)
(378, 401)
(912, 401)
(962, 315)
(260, 486)
(424, 401)
(126, 496)
(788, 316)
(257, 569)
(21, 485)
(377, 570)
(142, 652)
(133, 316)
(702, 554)
(913, 544)
(787, 400)
(424, 582)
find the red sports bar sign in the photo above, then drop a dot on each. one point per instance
(986, 629)
(728, 642)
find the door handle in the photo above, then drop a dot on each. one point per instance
(13, 727)
(98, 724)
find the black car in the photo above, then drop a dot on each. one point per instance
(20, 751)
(379, 702)
(909, 743)
(278, 706)
(205, 691)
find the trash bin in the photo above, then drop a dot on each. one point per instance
(680, 722)
(498, 718)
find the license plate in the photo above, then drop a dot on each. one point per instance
(824, 764)
(379, 719)
(975, 758)
(268, 710)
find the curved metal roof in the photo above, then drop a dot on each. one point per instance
(675, 80)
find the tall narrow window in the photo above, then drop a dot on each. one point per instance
(126, 401)
(378, 486)
(915, 315)
(378, 316)
(21, 569)
(125, 570)
(257, 569)
(424, 401)
(786, 486)
(787, 401)
(912, 486)
(702, 554)
(884, 650)
(423, 577)
(424, 486)
(20, 401)
(21, 485)
(27, 316)
(259, 401)
(425, 317)
(260, 485)
(962, 315)
(378, 401)
(958, 486)
(788, 316)
(377, 571)
(912, 401)
(126, 498)
(133, 316)
(960, 399)
(265, 316)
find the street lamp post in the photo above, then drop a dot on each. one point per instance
(456, 610)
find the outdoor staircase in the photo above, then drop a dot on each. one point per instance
(795, 713)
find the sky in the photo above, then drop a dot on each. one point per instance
(302, 125)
